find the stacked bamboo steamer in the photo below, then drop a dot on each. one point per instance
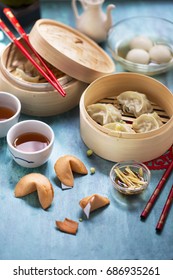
(78, 57)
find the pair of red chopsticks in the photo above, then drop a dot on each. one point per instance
(154, 196)
(46, 72)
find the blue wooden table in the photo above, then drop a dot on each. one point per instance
(116, 232)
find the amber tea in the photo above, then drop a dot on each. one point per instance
(6, 113)
(31, 142)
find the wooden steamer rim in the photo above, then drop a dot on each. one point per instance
(5, 61)
(39, 99)
(89, 98)
(70, 51)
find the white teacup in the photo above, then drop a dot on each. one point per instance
(10, 108)
(30, 158)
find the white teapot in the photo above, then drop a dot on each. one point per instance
(93, 21)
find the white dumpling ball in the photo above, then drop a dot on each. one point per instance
(160, 54)
(138, 56)
(141, 42)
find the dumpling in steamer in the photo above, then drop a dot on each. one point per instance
(104, 113)
(19, 73)
(147, 122)
(119, 127)
(134, 103)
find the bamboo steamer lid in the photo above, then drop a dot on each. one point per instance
(70, 51)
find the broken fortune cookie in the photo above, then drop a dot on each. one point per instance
(93, 202)
(65, 166)
(68, 226)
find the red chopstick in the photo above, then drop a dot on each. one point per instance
(12, 37)
(24, 35)
(156, 192)
(165, 211)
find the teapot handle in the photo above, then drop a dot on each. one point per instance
(83, 4)
(74, 6)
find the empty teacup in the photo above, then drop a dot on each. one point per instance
(10, 108)
(30, 143)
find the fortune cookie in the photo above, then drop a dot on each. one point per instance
(35, 182)
(94, 201)
(68, 226)
(65, 166)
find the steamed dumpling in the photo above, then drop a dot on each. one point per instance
(104, 113)
(119, 127)
(19, 73)
(147, 122)
(134, 103)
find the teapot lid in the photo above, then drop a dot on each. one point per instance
(70, 51)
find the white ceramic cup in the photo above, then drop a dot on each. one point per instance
(12, 102)
(30, 159)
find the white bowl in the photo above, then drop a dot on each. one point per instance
(9, 101)
(30, 159)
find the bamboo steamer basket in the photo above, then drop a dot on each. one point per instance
(41, 99)
(78, 57)
(119, 146)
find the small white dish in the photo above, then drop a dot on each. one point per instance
(30, 159)
(12, 104)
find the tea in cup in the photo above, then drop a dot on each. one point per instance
(10, 108)
(30, 143)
